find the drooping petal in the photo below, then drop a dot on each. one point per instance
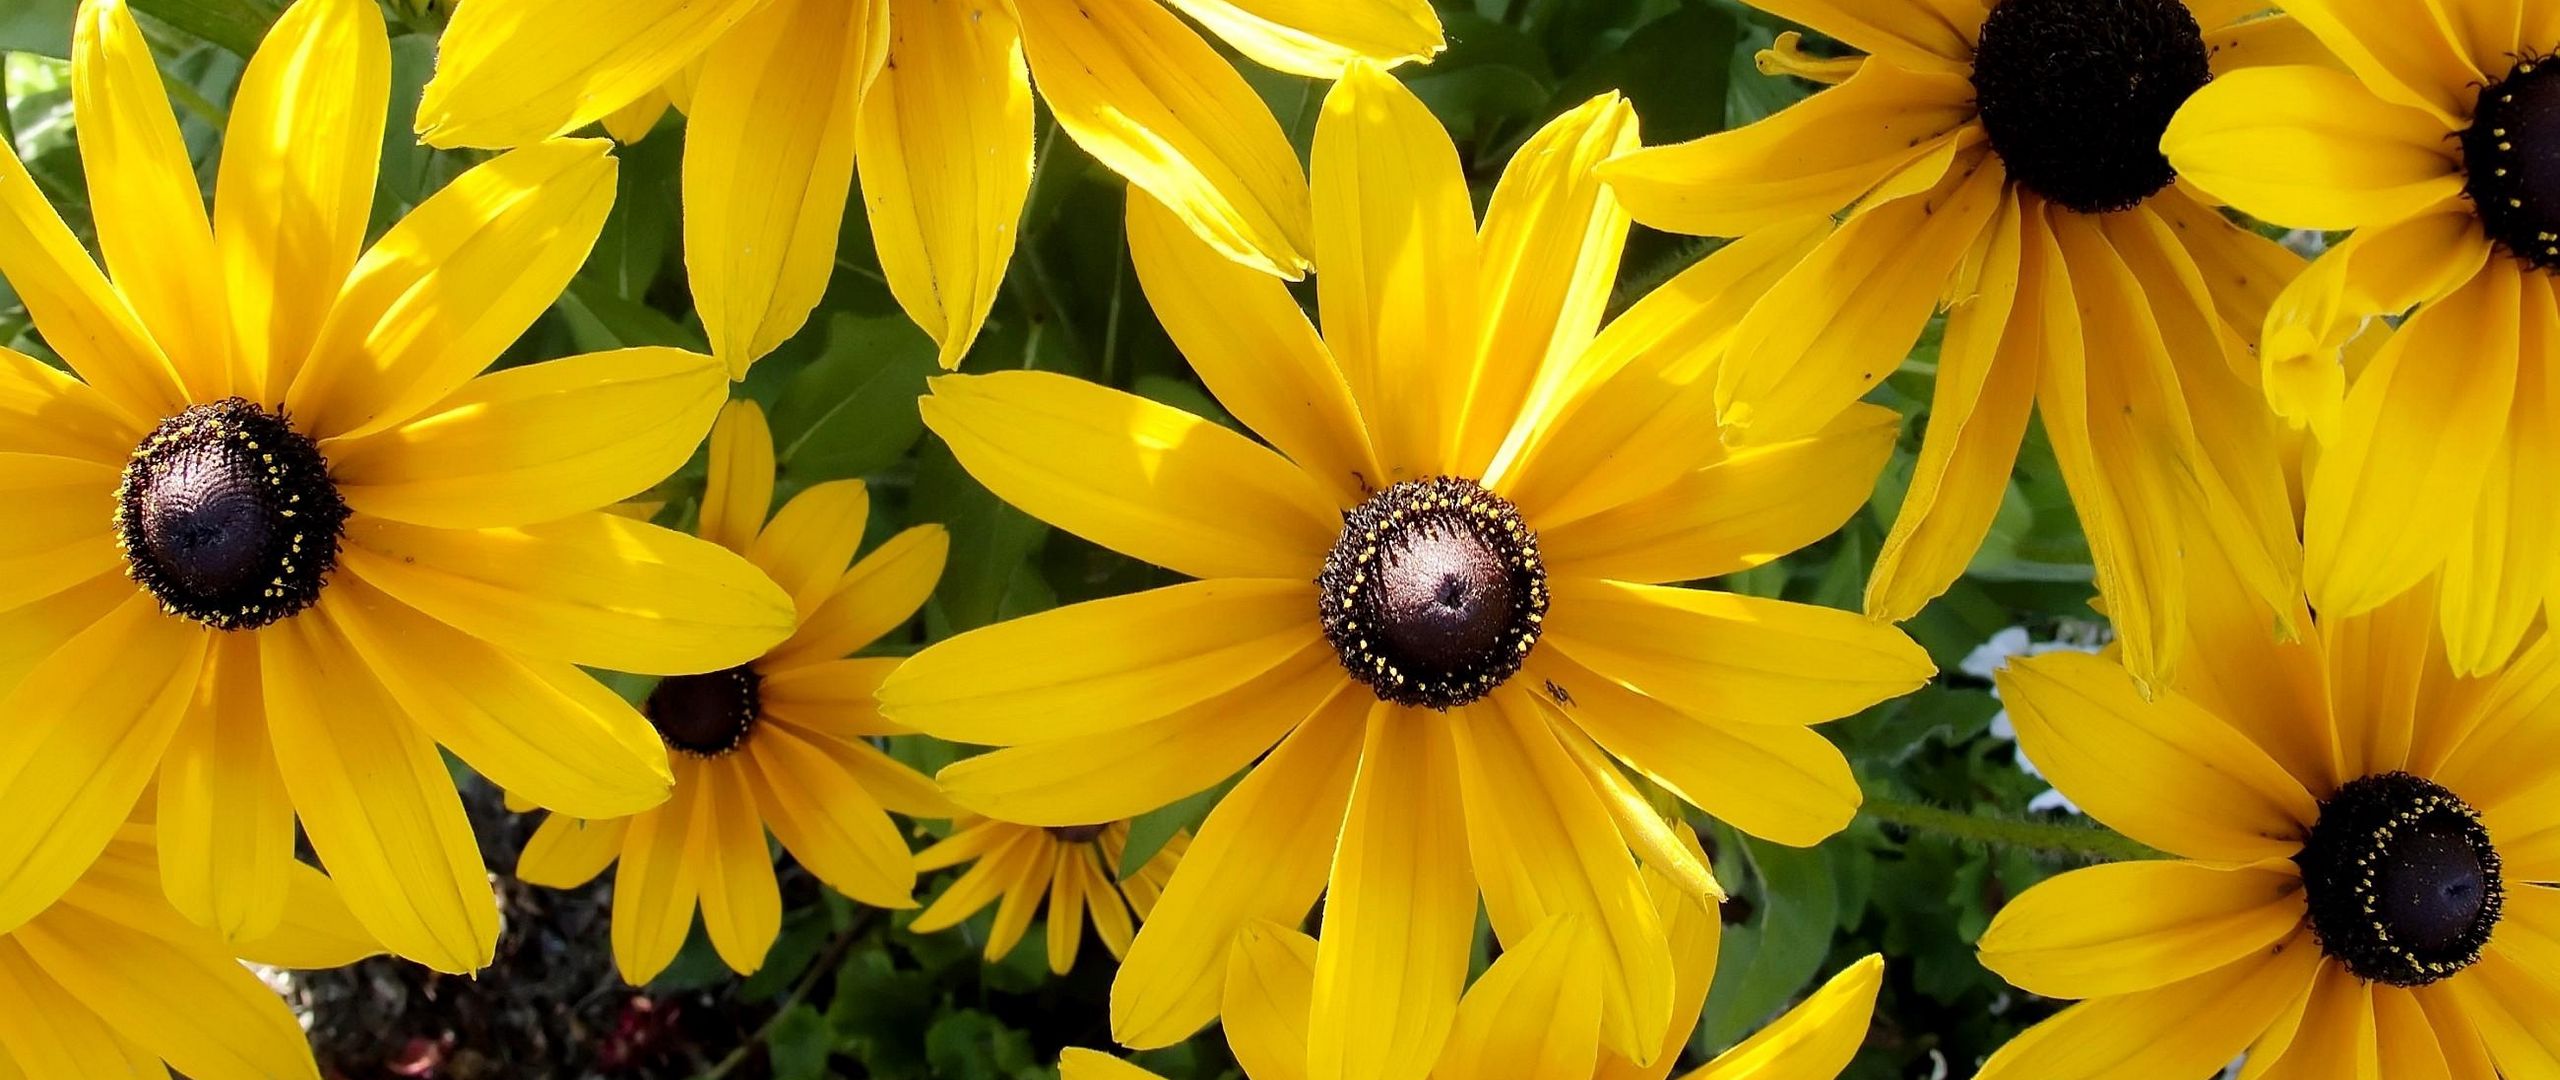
(741, 900)
(44, 1033)
(660, 877)
(2379, 271)
(2500, 570)
(1319, 38)
(1270, 982)
(2074, 936)
(567, 852)
(828, 821)
(2312, 148)
(225, 821)
(1535, 1012)
(2188, 1028)
(946, 153)
(177, 994)
(1730, 656)
(1814, 1040)
(510, 74)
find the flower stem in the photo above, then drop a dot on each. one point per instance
(2077, 841)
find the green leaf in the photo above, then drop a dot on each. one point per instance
(991, 544)
(970, 1045)
(800, 1044)
(852, 411)
(600, 320)
(1675, 70)
(237, 25)
(1780, 950)
(1151, 831)
(38, 26)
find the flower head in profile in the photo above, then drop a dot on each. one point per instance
(1999, 160)
(277, 539)
(2436, 452)
(781, 742)
(112, 981)
(930, 101)
(1430, 622)
(2365, 878)
(1076, 868)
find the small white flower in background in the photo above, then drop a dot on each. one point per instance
(2072, 635)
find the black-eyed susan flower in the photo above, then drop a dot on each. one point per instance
(112, 981)
(2426, 138)
(931, 101)
(1999, 159)
(2366, 880)
(1535, 1014)
(1438, 590)
(276, 539)
(1075, 868)
(781, 742)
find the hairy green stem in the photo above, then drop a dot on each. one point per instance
(2080, 841)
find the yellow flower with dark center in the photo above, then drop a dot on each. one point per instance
(1438, 590)
(780, 742)
(2366, 879)
(2000, 159)
(1535, 1014)
(1076, 868)
(278, 539)
(2434, 143)
(930, 100)
(112, 981)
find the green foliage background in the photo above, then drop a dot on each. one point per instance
(848, 992)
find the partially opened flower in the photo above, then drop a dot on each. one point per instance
(112, 981)
(2366, 879)
(931, 101)
(1435, 598)
(1075, 868)
(277, 538)
(781, 742)
(2436, 456)
(1999, 159)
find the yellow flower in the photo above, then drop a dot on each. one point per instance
(112, 981)
(1535, 1014)
(2366, 879)
(1438, 591)
(2438, 458)
(2000, 161)
(931, 101)
(276, 541)
(1076, 867)
(778, 742)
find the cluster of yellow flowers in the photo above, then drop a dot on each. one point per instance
(278, 543)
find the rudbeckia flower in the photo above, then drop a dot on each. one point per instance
(1439, 590)
(276, 539)
(779, 742)
(1076, 868)
(2366, 871)
(2429, 143)
(931, 101)
(1535, 1014)
(112, 981)
(2000, 160)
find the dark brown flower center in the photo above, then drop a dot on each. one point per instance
(2511, 161)
(2076, 94)
(1434, 593)
(1076, 834)
(706, 715)
(228, 516)
(2402, 882)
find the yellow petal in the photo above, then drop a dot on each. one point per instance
(2405, 52)
(184, 999)
(454, 283)
(1814, 1040)
(1270, 983)
(661, 874)
(1748, 508)
(809, 545)
(143, 195)
(1144, 479)
(2512, 1004)
(2189, 1028)
(594, 589)
(30, 633)
(1066, 906)
(319, 931)
(514, 73)
(567, 852)
(1733, 657)
(1009, 855)
(81, 316)
(897, 786)
(2491, 755)
(2378, 664)
(1252, 346)
(1263, 854)
(1042, 677)
(2499, 570)
(768, 158)
(821, 812)
(2126, 927)
(43, 1033)
(1129, 771)
(1396, 237)
(946, 154)
(1027, 884)
(1535, 1012)
(2270, 688)
(87, 731)
(2409, 1044)
(2161, 771)
(1924, 35)
(1696, 933)
(738, 491)
(2271, 41)
(2415, 443)
(45, 412)
(1081, 1064)
(1318, 38)
(1657, 841)
(1813, 158)
(2312, 148)
(2378, 271)
(1400, 910)
(295, 192)
(226, 824)
(1151, 101)
(536, 443)
(741, 901)
(542, 729)
(375, 800)
(59, 538)
(880, 594)
(632, 123)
